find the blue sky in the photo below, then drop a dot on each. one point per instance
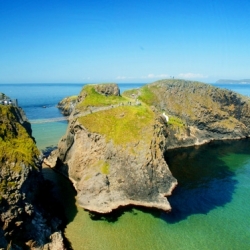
(54, 41)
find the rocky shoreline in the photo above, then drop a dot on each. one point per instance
(110, 168)
(113, 152)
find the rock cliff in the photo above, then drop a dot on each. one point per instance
(114, 147)
(114, 152)
(67, 105)
(25, 223)
(198, 112)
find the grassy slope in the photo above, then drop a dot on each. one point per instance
(123, 123)
(186, 101)
(148, 94)
(95, 99)
(191, 101)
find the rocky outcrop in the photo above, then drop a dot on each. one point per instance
(127, 168)
(107, 176)
(113, 150)
(110, 89)
(199, 113)
(25, 221)
(67, 105)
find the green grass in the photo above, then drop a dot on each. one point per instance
(123, 125)
(131, 94)
(69, 99)
(93, 98)
(104, 167)
(147, 95)
(16, 146)
(175, 121)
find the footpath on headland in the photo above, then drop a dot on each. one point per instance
(83, 113)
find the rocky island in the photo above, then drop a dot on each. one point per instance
(26, 220)
(114, 147)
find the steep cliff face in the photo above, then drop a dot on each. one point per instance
(114, 147)
(67, 105)
(114, 153)
(24, 222)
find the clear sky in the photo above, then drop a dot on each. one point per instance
(52, 41)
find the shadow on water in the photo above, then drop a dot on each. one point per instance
(63, 193)
(114, 215)
(205, 181)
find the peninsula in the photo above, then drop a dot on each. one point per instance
(114, 147)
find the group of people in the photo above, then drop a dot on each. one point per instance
(6, 102)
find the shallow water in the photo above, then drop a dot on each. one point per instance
(210, 206)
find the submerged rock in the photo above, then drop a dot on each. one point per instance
(113, 150)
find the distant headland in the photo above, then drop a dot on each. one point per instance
(243, 81)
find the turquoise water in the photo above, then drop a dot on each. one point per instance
(39, 101)
(211, 208)
(48, 134)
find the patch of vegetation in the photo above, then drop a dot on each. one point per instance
(16, 146)
(125, 124)
(104, 167)
(132, 93)
(66, 103)
(93, 98)
(147, 95)
(3, 186)
(186, 98)
(228, 124)
(175, 121)
(69, 99)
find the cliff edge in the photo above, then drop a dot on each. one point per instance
(24, 222)
(113, 152)
(114, 147)
(198, 113)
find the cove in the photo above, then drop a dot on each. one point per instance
(210, 206)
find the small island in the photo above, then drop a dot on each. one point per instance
(114, 147)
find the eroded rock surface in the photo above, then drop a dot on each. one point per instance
(107, 176)
(24, 221)
(199, 112)
(114, 147)
(109, 172)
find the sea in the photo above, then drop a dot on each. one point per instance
(210, 206)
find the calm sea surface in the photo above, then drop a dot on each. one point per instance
(211, 205)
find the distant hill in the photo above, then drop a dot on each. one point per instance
(233, 81)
